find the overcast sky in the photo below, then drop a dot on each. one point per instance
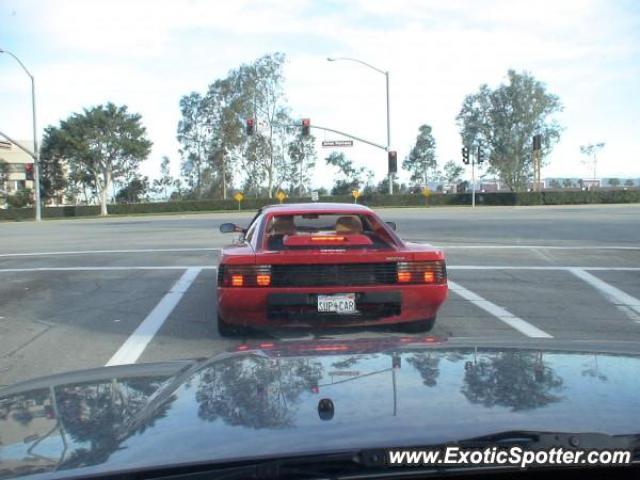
(147, 54)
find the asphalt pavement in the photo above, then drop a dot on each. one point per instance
(89, 292)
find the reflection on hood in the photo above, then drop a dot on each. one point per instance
(263, 403)
(255, 392)
(511, 379)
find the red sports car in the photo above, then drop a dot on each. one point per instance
(326, 265)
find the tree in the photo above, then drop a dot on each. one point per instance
(21, 198)
(133, 191)
(591, 151)
(422, 157)
(452, 172)
(614, 182)
(162, 184)
(349, 177)
(504, 121)
(302, 155)
(4, 175)
(194, 137)
(628, 183)
(103, 144)
(555, 183)
(567, 183)
(52, 175)
(214, 147)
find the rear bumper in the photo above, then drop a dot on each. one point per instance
(377, 305)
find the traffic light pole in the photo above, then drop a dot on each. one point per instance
(368, 142)
(473, 181)
(36, 153)
(386, 75)
(21, 147)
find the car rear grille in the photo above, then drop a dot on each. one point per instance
(318, 275)
(304, 308)
(307, 314)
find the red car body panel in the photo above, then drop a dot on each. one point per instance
(247, 306)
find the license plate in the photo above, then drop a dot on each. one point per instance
(342, 303)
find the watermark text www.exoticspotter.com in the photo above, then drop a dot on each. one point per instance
(514, 456)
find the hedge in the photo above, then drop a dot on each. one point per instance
(376, 200)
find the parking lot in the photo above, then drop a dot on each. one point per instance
(90, 292)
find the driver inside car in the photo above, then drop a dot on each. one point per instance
(349, 225)
(280, 227)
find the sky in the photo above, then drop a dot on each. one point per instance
(147, 54)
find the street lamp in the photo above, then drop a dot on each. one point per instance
(36, 151)
(386, 75)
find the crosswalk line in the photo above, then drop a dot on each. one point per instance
(500, 313)
(626, 303)
(131, 350)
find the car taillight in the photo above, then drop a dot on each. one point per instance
(432, 272)
(404, 277)
(244, 276)
(263, 279)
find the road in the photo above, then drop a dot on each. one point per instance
(88, 292)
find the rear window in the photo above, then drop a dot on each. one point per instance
(279, 227)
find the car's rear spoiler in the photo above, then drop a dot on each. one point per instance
(311, 241)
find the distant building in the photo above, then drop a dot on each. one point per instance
(591, 183)
(16, 161)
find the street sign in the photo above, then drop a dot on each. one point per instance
(280, 195)
(314, 196)
(238, 197)
(426, 192)
(356, 194)
(337, 143)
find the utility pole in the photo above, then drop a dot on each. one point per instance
(386, 76)
(36, 150)
(537, 151)
(391, 174)
(473, 181)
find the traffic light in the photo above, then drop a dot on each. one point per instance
(480, 154)
(393, 161)
(537, 142)
(306, 126)
(250, 126)
(28, 171)
(465, 155)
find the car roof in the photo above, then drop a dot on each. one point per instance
(297, 208)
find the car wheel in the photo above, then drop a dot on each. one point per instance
(420, 326)
(228, 330)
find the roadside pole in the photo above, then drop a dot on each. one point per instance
(473, 181)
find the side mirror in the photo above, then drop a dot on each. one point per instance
(230, 228)
(392, 225)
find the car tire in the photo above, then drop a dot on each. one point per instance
(225, 329)
(421, 326)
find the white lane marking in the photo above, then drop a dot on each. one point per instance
(526, 267)
(537, 247)
(131, 350)
(98, 252)
(628, 304)
(500, 313)
(105, 269)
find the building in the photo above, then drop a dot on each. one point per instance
(13, 177)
